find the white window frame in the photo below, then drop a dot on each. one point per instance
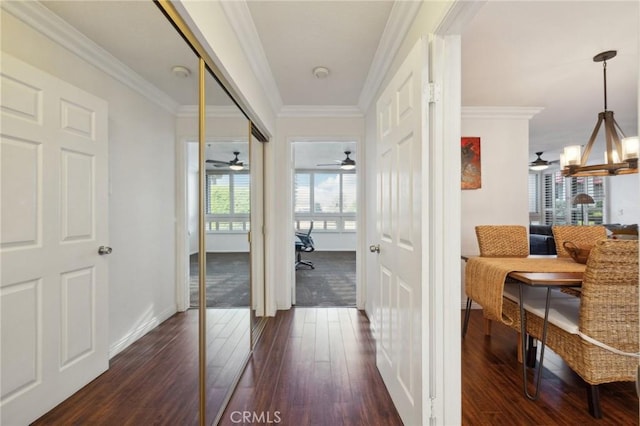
(324, 222)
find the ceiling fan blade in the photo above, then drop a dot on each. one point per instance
(329, 164)
(217, 162)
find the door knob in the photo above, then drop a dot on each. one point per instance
(102, 250)
(374, 248)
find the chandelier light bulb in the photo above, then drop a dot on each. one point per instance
(630, 148)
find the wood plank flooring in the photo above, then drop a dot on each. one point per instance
(316, 366)
(492, 386)
(155, 380)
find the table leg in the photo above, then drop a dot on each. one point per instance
(523, 331)
(532, 351)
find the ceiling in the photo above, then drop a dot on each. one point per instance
(520, 53)
(298, 36)
(540, 53)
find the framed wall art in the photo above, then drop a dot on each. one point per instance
(471, 173)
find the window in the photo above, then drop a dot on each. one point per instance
(327, 198)
(550, 196)
(227, 201)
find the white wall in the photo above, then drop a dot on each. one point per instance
(504, 154)
(141, 199)
(334, 241)
(624, 199)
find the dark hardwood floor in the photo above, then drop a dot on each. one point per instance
(316, 366)
(492, 386)
(155, 380)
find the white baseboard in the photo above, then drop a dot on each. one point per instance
(139, 331)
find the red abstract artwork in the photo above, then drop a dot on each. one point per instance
(471, 176)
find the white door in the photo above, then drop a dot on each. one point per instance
(400, 140)
(53, 290)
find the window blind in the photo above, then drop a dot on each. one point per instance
(555, 193)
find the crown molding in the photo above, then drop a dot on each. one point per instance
(400, 19)
(318, 111)
(37, 16)
(508, 113)
(458, 16)
(239, 17)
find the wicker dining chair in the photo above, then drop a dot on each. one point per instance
(605, 347)
(579, 235)
(497, 241)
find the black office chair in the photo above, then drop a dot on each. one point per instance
(304, 244)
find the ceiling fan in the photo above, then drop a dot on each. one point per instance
(539, 163)
(346, 164)
(234, 164)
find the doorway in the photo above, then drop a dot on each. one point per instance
(325, 223)
(227, 211)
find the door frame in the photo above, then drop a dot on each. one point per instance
(361, 240)
(447, 373)
(182, 223)
(444, 393)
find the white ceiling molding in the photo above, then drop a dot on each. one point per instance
(509, 113)
(458, 16)
(326, 111)
(400, 18)
(212, 111)
(52, 26)
(240, 19)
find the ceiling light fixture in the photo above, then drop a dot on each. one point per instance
(621, 155)
(321, 72)
(539, 164)
(180, 71)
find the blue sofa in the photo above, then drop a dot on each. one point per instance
(541, 240)
(541, 236)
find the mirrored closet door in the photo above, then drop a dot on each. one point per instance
(226, 214)
(180, 152)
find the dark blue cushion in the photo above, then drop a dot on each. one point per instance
(541, 229)
(541, 244)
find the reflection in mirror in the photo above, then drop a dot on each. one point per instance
(227, 222)
(148, 76)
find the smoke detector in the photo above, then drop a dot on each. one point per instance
(321, 72)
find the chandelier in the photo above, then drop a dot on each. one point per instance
(621, 155)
